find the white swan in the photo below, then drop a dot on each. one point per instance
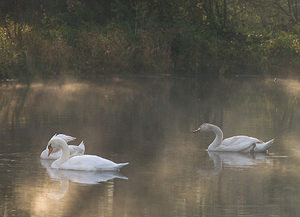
(57, 192)
(80, 176)
(56, 153)
(235, 143)
(82, 162)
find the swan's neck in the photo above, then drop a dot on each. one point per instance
(219, 138)
(65, 155)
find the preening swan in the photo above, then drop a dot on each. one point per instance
(82, 162)
(56, 153)
(235, 143)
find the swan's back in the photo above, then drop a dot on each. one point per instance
(90, 163)
(238, 143)
(239, 139)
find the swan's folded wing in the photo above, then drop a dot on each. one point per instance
(239, 143)
(64, 137)
(77, 150)
(89, 162)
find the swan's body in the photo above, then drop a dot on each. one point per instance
(79, 176)
(56, 153)
(83, 162)
(235, 143)
(89, 163)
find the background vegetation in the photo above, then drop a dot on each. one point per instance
(42, 38)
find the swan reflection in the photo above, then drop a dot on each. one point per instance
(234, 160)
(238, 160)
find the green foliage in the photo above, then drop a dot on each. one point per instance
(48, 38)
(284, 44)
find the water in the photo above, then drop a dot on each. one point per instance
(148, 122)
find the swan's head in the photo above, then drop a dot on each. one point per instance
(55, 144)
(203, 127)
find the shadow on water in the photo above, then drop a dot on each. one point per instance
(148, 122)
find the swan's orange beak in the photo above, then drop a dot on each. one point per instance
(50, 150)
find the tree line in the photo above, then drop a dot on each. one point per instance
(50, 37)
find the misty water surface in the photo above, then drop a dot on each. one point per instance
(149, 122)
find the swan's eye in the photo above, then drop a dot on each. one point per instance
(49, 147)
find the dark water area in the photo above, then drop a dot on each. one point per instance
(149, 122)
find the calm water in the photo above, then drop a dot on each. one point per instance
(148, 122)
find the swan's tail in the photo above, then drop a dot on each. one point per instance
(120, 176)
(82, 146)
(262, 147)
(120, 165)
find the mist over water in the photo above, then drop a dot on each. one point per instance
(149, 122)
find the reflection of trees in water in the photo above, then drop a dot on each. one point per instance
(147, 110)
(149, 121)
(175, 181)
(32, 193)
(62, 198)
(12, 103)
